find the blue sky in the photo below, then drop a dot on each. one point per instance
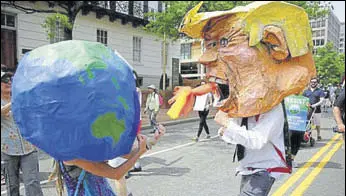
(339, 9)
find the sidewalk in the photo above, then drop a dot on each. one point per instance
(164, 119)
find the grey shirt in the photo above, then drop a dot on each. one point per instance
(12, 142)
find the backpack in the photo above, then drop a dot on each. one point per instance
(160, 99)
(287, 140)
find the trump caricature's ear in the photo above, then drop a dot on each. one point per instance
(274, 38)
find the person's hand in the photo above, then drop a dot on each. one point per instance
(142, 143)
(6, 110)
(222, 118)
(341, 128)
(183, 93)
(160, 132)
(221, 131)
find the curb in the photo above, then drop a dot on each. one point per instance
(174, 122)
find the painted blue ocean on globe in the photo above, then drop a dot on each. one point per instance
(76, 99)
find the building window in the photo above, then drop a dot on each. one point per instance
(59, 33)
(8, 20)
(317, 42)
(313, 24)
(102, 36)
(185, 51)
(137, 48)
(152, 10)
(322, 42)
(322, 33)
(159, 6)
(318, 33)
(189, 68)
(104, 4)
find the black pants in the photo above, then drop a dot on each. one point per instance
(203, 123)
(296, 140)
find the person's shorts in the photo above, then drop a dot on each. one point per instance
(316, 119)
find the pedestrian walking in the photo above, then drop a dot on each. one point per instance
(202, 106)
(152, 106)
(326, 103)
(16, 153)
(316, 99)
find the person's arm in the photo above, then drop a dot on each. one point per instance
(104, 170)
(5, 109)
(321, 100)
(157, 102)
(269, 125)
(147, 103)
(338, 119)
(337, 111)
(210, 100)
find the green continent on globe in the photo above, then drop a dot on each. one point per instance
(123, 101)
(108, 125)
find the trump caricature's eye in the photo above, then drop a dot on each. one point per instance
(223, 42)
(211, 44)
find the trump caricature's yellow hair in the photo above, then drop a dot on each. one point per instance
(292, 19)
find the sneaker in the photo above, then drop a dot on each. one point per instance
(319, 138)
(294, 164)
(208, 137)
(195, 139)
(127, 176)
(136, 169)
(153, 131)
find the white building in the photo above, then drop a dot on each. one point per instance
(325, 29)
(342, 38)
(103, 22)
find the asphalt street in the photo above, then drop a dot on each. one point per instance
(177, 166)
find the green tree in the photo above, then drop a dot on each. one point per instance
(330, 64)
(167, 22)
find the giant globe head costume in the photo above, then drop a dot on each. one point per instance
(76, 100)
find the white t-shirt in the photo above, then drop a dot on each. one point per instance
(202, 102)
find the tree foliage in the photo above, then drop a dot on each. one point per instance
(330, 64)
(50, 23)
(168, 21)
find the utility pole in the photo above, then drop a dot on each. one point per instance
(164, 62)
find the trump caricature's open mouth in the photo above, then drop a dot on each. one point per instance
(221, 93)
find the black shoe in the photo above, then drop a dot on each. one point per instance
(127, 176)
(319, 138)
(136, 169)
(152, 131)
